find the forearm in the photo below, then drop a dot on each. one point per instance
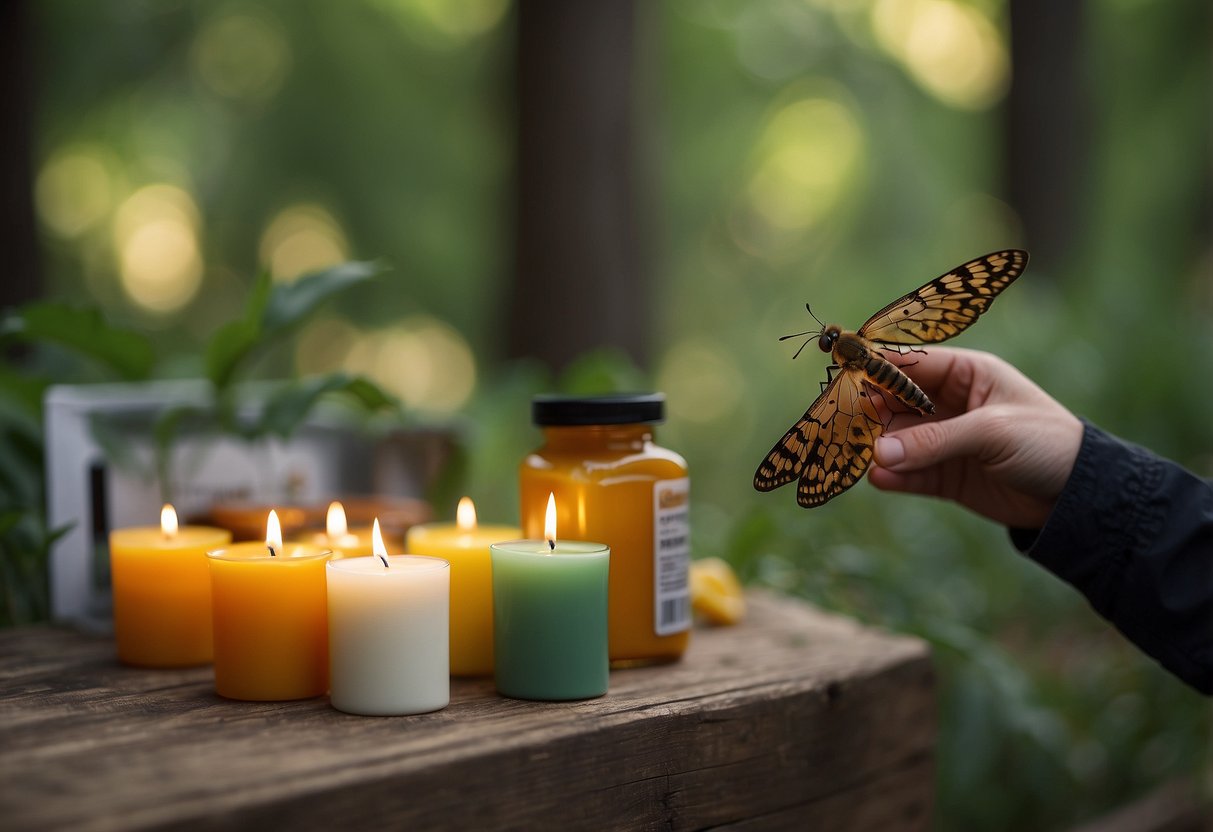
(1134, 533)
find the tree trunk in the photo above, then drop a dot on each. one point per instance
(1048, 130)
(18, 238)
(579, 280)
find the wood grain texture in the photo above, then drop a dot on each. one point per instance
(794, 719)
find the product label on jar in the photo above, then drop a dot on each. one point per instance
(672, 555)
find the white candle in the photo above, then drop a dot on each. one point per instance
(389, 650)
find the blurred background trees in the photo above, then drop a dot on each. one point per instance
(645, 195)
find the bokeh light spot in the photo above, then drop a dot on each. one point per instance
(156, 239)
(73, 191)
(952, 50)
(702, 381)
(300, 239)
(777, 41)
(810, 154)
(242, 55)
(324, 346)
(423, 361)
(447, 23)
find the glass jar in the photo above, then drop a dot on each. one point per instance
(615, 485)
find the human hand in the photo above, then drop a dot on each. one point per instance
(997, 444)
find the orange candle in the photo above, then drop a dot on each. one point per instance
(465, 545)
(614, 484)
(162, 593)
(270, 619)
(339, 537)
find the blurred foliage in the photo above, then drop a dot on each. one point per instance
(1047, 716)
(833, 151)
(127, 354)
(56, 342)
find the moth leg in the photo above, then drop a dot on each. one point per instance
(833, 368)
(901, 352)
(885, 399)
(889, 404)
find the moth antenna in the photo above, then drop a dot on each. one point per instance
(811, 333)
(810, 310)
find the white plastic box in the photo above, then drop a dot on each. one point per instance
(91, 491)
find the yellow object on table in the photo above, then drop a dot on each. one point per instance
(716, 594)
(615, 485)
(465, 545)
(162, 592)
(270, 607)
(339, 537)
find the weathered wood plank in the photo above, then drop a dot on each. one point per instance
(792, 719)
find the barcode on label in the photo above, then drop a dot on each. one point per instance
(674, 611)
(671, 556)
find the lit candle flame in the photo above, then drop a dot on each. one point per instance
(549, 522)
(273, 534)
(335, 522)
(377, 543)
(168, 521)
(465, 515)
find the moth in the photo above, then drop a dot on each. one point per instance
(831, 445)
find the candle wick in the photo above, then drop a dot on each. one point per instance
(384, 559)
(552, 545)
(272, 552)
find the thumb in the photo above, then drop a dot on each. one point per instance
(928, 444)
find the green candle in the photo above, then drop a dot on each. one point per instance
(550, 619)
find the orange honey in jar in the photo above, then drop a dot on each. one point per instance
(614, 485)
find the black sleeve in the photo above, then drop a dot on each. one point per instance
(1134, 533)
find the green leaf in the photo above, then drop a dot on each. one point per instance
(371, 396)
(234, 341)
(287, 408)
(22, 479)
(85, 331)
(9, 521)
(290, 303)
(26, 391)
(259, 299)
(230, 344)
(272, 310)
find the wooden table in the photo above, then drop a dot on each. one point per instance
(793, 720)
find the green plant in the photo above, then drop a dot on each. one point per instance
(272, 312)
(61, 343)
(54, 342)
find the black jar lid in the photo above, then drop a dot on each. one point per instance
(550, 409)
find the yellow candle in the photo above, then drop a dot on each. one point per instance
(339, 537)
(270, 619)
(162, 593)
(465, 545)
(395, 515)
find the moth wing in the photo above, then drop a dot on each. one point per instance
(948, 304)
(830, 447)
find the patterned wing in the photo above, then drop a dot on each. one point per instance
(948, 304)
(831, 446)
